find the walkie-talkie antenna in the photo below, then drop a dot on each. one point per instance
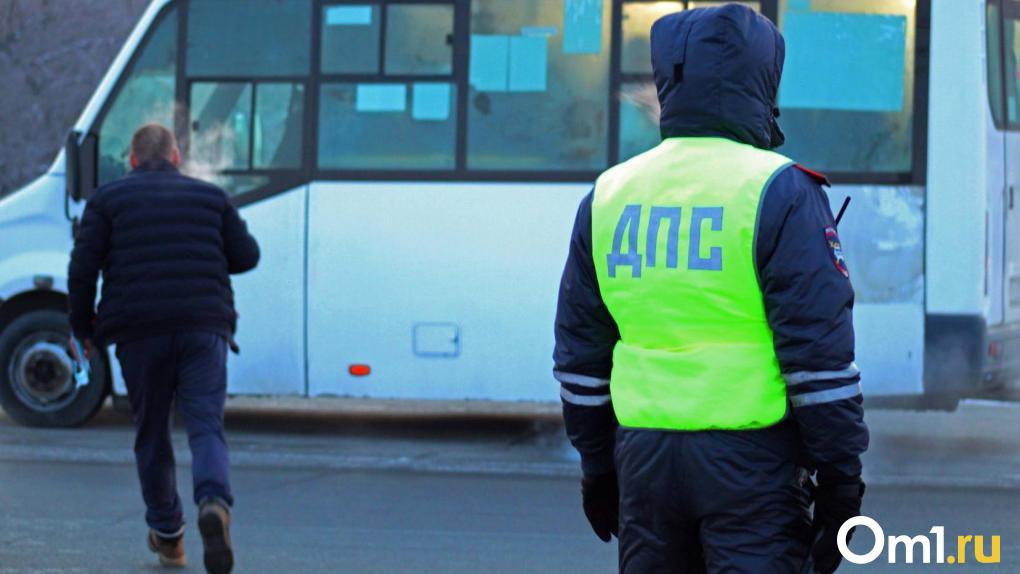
(842, 210)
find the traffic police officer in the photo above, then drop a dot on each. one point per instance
(704, 336)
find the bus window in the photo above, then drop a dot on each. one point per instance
(392, 126)
(639, 118)
(538, 75)
(847, 95)
(350, 39)
(419, 39)
(249, 39)
(226, 136)
(1011, 37)
(638, 17)
(994, 60)
(220, 120)
(145, 94)
(639, 102)
(278, 126)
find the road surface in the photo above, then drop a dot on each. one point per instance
(329, 494)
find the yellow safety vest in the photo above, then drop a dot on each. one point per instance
(673, 239)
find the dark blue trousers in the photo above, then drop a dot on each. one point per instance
(189, 368)
(712, 502)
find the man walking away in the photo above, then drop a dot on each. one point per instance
(166, 245)
(704, 336)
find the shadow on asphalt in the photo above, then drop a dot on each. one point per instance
(460, 427)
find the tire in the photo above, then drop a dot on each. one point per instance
(36, 380)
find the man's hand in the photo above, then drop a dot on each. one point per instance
(834, 505)
(600, 495)
(87, 346)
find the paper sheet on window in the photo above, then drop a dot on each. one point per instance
(354, 15)
(489, 62)
(528, 63)
(582, 26)
(851, 62)
(430, 102)
(381, 98)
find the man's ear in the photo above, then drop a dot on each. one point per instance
(175, 157)
(133, 160)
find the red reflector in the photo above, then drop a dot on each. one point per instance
(359, 370)
(994, 350)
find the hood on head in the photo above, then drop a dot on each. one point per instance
(717, 73)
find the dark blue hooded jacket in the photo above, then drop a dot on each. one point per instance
(717, 71)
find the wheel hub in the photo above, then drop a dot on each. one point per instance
(43, 372)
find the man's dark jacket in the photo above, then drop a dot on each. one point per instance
(166, 245)
(726, 87)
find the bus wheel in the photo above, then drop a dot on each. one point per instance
(37, 385)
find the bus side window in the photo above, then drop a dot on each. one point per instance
(538, 78)
(1011, 39)
(391, 126)
(994, 47)
(144, 95)
(245, 38)
(419, 39)
(226, 135)
(639, 102)
(847, 94)
(350, 39)
(371, 115)
(246, 132)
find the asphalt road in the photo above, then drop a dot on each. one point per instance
(321, 494)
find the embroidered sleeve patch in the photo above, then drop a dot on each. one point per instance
(836, 251)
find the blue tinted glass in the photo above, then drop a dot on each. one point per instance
(867, 47)
(146, 95)
(418, 39)
(220, 125)
(350, 39)
(246, 38)
(532, 105)
(279, 125)
(639, 119)
(385, 126)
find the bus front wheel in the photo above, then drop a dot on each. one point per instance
(37, 383)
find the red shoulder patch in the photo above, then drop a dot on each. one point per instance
(817, 176)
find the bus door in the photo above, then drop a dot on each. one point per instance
(1010, 30)
(242, 126)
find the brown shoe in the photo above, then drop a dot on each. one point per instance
(214, 524)
(169, 550)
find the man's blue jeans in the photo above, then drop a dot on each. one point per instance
(189, 367)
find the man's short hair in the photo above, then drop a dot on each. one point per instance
(153, 141)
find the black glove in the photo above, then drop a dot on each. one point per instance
(834, 505)
(600, 495)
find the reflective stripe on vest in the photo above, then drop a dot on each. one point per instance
(673, 238)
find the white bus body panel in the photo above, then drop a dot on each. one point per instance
(36, 237)
(957, 152)
(270, 301)
(447, 290)
(882, 234)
